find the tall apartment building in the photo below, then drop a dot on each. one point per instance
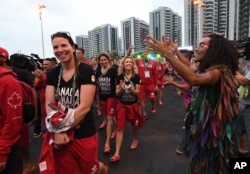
(83, 42)
(133, 32)
(199, 16)
(120, 49)
(164, 21)
(103, 38)
(233, 20)
(243, 19)
(202, 17)
(228, 17)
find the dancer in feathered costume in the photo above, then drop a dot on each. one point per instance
(211, 132)
(214, 104)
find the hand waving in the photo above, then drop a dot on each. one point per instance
(165, 47)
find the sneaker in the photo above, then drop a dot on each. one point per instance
(180, 150)
(35, 135)
(153, 110)
(240, 154)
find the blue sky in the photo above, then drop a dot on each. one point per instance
(20, 29)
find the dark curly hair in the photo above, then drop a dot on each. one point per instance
(220, 51)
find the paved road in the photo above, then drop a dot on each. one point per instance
(157, 142)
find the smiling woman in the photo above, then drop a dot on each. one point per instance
(70, 118)
(128, 107)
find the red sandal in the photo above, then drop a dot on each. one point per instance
(103, 125)
(106, 148)
(113, 135)
(99, 113)
(114, 159)
(160, 102)
(134, 144)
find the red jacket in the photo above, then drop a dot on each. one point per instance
(85, 60)
(11, 119)
(161, 71)
(151, 68)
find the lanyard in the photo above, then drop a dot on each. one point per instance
(146, 64)
(73, 85)
(129, 80)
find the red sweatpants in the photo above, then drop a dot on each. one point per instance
(79, 157)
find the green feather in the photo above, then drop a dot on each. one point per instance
(229, 131)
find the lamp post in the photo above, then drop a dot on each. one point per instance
(199, 5)
(40, 8)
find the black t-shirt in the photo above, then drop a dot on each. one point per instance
(126, 96)
(96, 69)
(68, 94)
(106, 83)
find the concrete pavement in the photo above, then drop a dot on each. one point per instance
(157, 142)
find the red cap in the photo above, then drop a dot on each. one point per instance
(4, 53)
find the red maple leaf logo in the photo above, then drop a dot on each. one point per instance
(15, 100)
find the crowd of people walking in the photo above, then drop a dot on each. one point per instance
(70, 90)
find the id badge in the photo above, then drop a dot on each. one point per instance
(147, 75)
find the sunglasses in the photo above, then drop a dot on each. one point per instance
(61, 34)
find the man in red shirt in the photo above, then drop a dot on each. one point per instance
(80, 54)
(149, 80)
(10, 116)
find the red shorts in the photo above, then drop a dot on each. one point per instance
(160, 86)
(147, 91)
(25, 137)
(131, 113)
(108, 106)
(80, 156)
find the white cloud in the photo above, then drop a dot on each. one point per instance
(20, 24)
